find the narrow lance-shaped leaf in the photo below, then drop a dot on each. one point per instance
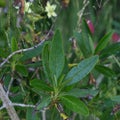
(45, 60)
(84, 67)
(105, 70)
(56, 61)
(87, 38)
(76, 92)
(103, 42)
(74, 104)
(44, 103)
(84, 40)
(116, 98)
(40, 85)
(14, 45)
(21, 69)
(110, 50)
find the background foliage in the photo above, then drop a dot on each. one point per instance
(71, 72)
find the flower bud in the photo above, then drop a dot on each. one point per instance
(116, 37)
(91, 26)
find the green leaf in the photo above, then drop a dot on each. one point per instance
(40, 85)
(32, 53)
(41, 93)
(3, 39)
(22, 70)
(45, 60)
(82, 92)
(2, 3)
(34, 65)
(105, 70)
(103, 42)
(34, 17)
(56, 60)
(84, 67)
(75, 105)
(84, 40)
(44, 103)
(30, 115)
(110, 50)
(116, 98)
(87, 37)
(14, 45)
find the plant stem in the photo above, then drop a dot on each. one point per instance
(44, 115)
(8, 104)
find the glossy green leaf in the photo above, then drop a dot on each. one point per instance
(74, 104)
(14, 45)
(44, 103)
(56, 59)
(105, 70)
(40, 85)
(116, 98)
(22, 70)
(79, 72)
(110, 50)
(82, 92)
(103, 42)
(45, 60)
(84, 40)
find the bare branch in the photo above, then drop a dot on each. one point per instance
(27, 49)
(20, 51)
(23, 105)
(8, 104)
(2, 107)
(44, 115)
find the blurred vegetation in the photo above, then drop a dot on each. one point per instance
(98, 90)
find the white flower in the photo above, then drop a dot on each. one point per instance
(50, 9)
(27, 7)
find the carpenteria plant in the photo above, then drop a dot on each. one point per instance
(57, 61)
(53, 60)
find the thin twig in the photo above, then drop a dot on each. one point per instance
(31, 48)
(23, 105)
(81, 12)
(74, 116)
(99, 4)
(27, 49)
(9, 86)
(116, 60)
(35, 73)
(44, 115)
(105, 2)
(18, 104)
(20, 51)
(43, 111)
